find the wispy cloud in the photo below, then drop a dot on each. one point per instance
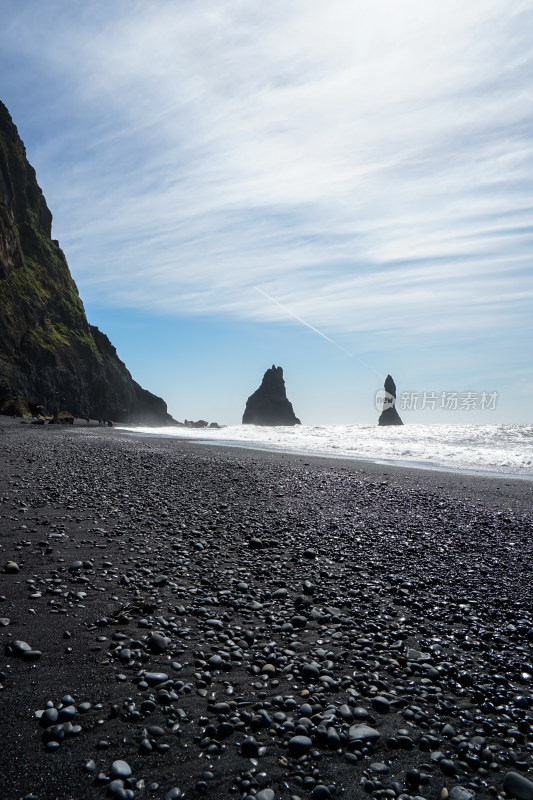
(369, 165)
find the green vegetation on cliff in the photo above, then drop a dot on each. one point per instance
(48, 350)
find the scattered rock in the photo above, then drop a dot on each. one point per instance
(518, 786)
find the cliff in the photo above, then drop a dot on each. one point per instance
(269, 405)
(49, 354)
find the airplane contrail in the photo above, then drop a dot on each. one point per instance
(312, 327)
(292, 314)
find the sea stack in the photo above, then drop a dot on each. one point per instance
(51, 359)
(389, 415)
(269, 404)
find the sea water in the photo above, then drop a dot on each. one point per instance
(489, 449)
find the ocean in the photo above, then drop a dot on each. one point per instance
(503, 450)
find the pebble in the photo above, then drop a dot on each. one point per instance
(23, 650)
(173, 794)
(120, 769)
(461, 793)
(265, 794)
(299, 745)
(364, 733)
(154, 678)
(518, 786)
(320, 792)
(250, 747)
(381, 704)
(447, 767)
(338, 646)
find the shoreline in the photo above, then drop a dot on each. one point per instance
(267, 626)
(493, 489)
(392, 462)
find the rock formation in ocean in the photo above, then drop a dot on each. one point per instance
(269, 404)
(389, 415)
(51, 359)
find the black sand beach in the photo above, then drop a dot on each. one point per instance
(233, 623)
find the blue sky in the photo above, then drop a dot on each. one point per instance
(368, 166)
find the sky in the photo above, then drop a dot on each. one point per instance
(343, 189)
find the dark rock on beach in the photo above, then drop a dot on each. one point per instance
(377, 642)
(269, 405)
(389, 415)
(51, 359)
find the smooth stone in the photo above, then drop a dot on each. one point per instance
(363, 733)
(311, 672)
(52, 745)
(265, 794)
(299, 621)
(345, 712)
(299, 745)
(250, 747)
(156, 731)
(381, 704)
(320, 792)
(153, 678)
(21, 647)
(67, 713)
(379, 768)
(412, 778)
(447, 767)
(116, 787)
(448, 730)
(417, 655)
(11, 568)
(173, 794)
(518, 786)
(31, 655)
(49, 717)
(461, 793)
(158, 643)
(120, 769)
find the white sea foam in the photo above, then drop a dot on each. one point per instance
(500, 449)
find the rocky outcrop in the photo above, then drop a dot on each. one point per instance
(389, 415)
(269, 404)
(49, 354)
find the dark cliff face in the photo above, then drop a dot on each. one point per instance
(48, 350)
(269, 404)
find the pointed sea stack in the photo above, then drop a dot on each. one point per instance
(269, 404)
(51, 359)
(389, 415)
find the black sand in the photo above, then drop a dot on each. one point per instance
(289, 601)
